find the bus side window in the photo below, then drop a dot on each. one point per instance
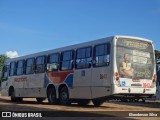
(40, 64)
(83, 58)
(102, 55)
(67, 60)
(12, 71)
(30, 66)
(53, 62)
(5, 72)
(20, 67)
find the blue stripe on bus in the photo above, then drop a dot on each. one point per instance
(69, 80)
(46, 81)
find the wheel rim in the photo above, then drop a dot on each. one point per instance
(64, 96)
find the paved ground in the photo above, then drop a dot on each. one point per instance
(112, 109)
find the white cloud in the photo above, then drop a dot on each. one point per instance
(12, 54)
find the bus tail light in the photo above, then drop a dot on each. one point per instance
(153, 84)
(116, 74)
(154, 78)
(117, 78)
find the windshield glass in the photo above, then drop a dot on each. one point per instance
(135, 58)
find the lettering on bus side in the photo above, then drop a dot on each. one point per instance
(103, 76)
(21, 79)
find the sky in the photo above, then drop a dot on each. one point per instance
(30, 26)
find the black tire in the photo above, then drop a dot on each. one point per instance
(125, 100)
(64, 96)
(137, 100)
(143, 100)
(40, 100)
(131, 100)
(51, 94)
(83, 102)
(98, 102)
(13, 98)
(12, 95)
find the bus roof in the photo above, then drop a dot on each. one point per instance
(70, 47)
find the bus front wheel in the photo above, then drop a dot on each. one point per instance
(64, 96)
(13, 98)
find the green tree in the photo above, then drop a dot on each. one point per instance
(2, 59)
(157, 53)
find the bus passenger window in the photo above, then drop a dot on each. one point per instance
(40, 64)
(102, 55)
(67, 60)
(83, 58)
(5, 72)
(30, 67)
(20, 67)
(53, 62)
(12, 68)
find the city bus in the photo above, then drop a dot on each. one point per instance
(116, 67)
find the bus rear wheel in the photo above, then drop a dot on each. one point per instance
(64, 96)
(40, 100)
(52, 96)
(97, 102)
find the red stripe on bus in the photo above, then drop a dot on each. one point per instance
(58, 77)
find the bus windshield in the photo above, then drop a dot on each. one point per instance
(135, 58)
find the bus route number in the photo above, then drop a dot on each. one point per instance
(103, 76)
(146, 85)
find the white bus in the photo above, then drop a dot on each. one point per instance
(121, 67)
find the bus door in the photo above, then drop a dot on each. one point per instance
(83, 73)
(101, 71)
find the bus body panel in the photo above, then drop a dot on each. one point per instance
(101, 81)
(81, 84)
(132, 85)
